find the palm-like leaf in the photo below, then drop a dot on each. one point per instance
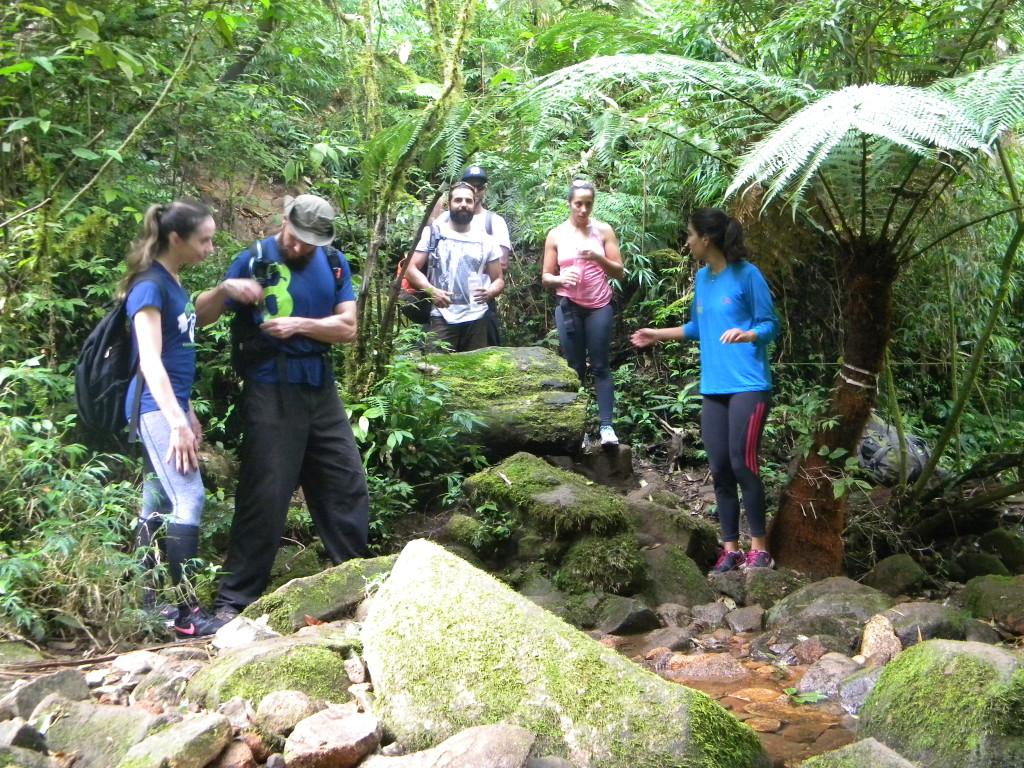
(820, 134)
(993, 96)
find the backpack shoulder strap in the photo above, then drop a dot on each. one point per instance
(334, 260)
(133, 421)
(488, 228)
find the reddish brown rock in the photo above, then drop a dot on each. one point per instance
(333, 738)
(237, 755)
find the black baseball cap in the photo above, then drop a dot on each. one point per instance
(474, 173)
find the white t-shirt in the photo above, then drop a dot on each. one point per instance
(499, 229)
(458, 255)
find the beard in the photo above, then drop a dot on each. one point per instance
(460, 216)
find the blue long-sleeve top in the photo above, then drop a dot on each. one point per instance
(737, 297)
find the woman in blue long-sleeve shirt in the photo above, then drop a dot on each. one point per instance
(734, 321)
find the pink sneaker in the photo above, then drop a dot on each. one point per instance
(758, 558)
(728, 561)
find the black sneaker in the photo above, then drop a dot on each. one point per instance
(197, 623)
(227, 614)
(728, 561)
(165, 612)
(758, 558)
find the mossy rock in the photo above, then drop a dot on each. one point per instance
(504, 659)
(949, 704)
(1008, 546)
(527, 397)
(311, 663)
(196, 741)
(981, 564)
(294, 562)
(837, 597)
(328, 595)
(996, 597)
(868, 752)
(605, 564)
(697, 537)
(548, 499)
(461, 530)
(16, 757)
(13, 652)
(766, 587)
(896, 575)
(676, 578)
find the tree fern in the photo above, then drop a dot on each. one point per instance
(993, 96)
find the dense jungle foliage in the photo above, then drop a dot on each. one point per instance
(868, 147)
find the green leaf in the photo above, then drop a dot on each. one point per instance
(108, 60)
(114, 154)
(45, 125)
(40, 10)
(86, 32)
(44, 63)
(88, 154)
(17, 125)
(21, 66)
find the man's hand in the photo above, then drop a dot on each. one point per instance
(440, 298)
(244, 290)
(283, 327)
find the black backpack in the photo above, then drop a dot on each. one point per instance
(105, 369)
(249, 345)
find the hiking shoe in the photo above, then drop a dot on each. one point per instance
(197, 623)
(608, 436)
(758, 558)
(728, 561)
(227, 614)
(162, 611)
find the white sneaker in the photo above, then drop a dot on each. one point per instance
(608, 436)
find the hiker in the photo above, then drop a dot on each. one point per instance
(292, 299)
(459, 267)
(494, 225)
(734, 321)
(163, 322)
(580, 255)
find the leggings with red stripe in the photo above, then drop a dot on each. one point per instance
(731, 426)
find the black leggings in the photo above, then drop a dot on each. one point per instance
(731, 426)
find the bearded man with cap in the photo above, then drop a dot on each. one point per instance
(296, 289)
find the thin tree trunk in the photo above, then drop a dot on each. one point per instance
(806, 532)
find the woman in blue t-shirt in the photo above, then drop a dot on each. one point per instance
(163, 331)
(733, 320)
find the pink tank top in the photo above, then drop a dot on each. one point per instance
(592, 291)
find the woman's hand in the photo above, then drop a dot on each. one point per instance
(644, 337)
(244, 290)
(183, 451)
(736, 336)
(569, 276)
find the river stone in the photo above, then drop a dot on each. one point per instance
(503, 659)
(281, 711)
(868, 752)
(485, 746)
(100, 734)
(996, 597)
(766, 587)
(624, 616)
(13, 652)
(896, 575)
(17, 757)
(527, 398)
(837, 596)
(879, 642)
(854, 690)
(1007, 545)
(675, 577)
(326, 596)
(693, 536)
(749, 619)
(333, 738)
(827, 673)
(166, 685)
(949, 704)
(18, 733)
(193, 743)
(68, 683)
(916, 622)
(976, 564)
(311, 663)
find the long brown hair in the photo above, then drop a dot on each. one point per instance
(725, 232)
(182, 217)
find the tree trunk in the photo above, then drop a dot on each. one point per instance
(806, 532)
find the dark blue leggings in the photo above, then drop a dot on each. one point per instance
(584, 332)
(731, 426)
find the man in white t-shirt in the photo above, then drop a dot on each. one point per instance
(494, 225)
(460, 268)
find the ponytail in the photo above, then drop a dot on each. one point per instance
(182, 217)
(724, 232)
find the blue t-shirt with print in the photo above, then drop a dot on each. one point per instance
(289, 292)
(737, 297)
(153, 288)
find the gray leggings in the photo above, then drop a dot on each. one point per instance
(166, 492)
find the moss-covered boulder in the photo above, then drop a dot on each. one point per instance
(834, 597)
(676, 578)
(527, 397)
(948, 704)
(329, 595)
(16, 757)
(504, 659)
(552, 501)
(696, 537)
(974, 564)
(607, 564)
(193, 743)
(1007, 545)
(862, 754)
(999, 598)
(312, 663)
(896, 575)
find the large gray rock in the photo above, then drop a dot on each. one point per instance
(916, 622)
(1007, 545)
(281, 711)
(69, 683)
(949, 704)
(827, 673)
(193, 743)
(527, 398)
(996, 597)
(836, 606)
(326, 596)
(333, 738)
(854, 690)
(99, 734)
(485, 746)
(18, 757)
(896, 575)
(503, 659)
(862, 754)
(312, 663)
(18, 733)
(166, 685)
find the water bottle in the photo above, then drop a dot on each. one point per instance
(474, 283)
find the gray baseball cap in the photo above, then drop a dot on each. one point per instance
(311, 219)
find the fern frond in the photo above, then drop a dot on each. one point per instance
(918, 121)
(993, 96)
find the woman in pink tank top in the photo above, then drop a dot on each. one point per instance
(580, 255)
